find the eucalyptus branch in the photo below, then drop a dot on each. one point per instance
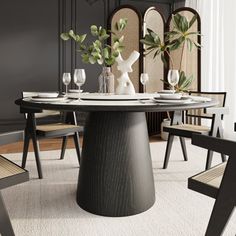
(98, 51)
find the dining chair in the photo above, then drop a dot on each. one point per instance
(10, 174)
(54, 129)
(217, 182)
(193, 124)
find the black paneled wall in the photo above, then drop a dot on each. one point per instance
(33, 57)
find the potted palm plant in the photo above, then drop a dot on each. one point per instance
(178, 38)
(99, 52)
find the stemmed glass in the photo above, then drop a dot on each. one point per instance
(66, 78)
(173, 78)
(144, 78)
(79, 78)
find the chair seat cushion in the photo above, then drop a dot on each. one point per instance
(11, 174)
(208, 182)
(186, 130)
(57, 129)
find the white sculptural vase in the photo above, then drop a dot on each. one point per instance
(125, 86)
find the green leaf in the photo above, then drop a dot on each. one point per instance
(104, 37)
(189, 44)
(83, 37)
(146, 42)
(72, 34)
(116, 45)
(120, 48)
(92, 60)
(155, 54)
(100, 61)
(121, 24)
(96, 55)
(197, 45)
(121, 39)
(85, 58)
(175, 44)
(94, 30)
(105, 53)
(180, 22)
(194, 18)
(110, 61)
(82, 47)
(65, 36)
(164, 60)
(115, 54)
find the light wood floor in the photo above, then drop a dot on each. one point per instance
(45, 145)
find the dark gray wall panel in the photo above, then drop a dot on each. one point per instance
(29, 50)
(87, 15)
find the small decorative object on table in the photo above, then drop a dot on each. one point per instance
(125, 85)
(100, 52)
(106, 81)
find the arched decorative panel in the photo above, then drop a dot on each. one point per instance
(132, 34)
(153, 20)
(191, 63)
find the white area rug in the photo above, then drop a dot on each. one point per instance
(48, 206)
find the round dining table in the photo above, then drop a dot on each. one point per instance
(115, 175)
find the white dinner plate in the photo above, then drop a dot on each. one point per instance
(112, 97)
(47, 94)
(45, 99)
(174, 101)
(200, 99)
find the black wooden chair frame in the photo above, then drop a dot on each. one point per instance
(32, 133)
(226, 194)
(216, 130)
(6, 228)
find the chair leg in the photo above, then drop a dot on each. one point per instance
(63, 147)
(220, 215)
(220, 135)
(37, 157)
(77, 146)
(5, 222)
(209, 159)
(25, 149)
(183, 146)
(168, 149)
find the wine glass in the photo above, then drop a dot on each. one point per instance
(144, 78)
(173, 78)
(79, 78)
(66, 78)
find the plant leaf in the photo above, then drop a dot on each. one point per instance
(164, 60)
(94, 30)
(72, 34)
(65, 36)
(194, 18)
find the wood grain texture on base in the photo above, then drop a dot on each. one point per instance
(116, 177)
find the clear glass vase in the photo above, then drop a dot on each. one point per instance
(106, 81)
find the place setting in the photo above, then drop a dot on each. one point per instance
(79, 78)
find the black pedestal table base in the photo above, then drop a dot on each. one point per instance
(116, 177)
